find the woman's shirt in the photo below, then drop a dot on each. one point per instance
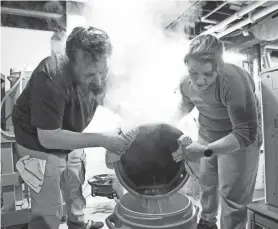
(227, 106)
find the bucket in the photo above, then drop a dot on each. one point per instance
(130, 213)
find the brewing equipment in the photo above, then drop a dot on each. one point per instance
(152, 178)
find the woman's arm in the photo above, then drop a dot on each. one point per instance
(185, 105)
(239, 97)
(228, 144)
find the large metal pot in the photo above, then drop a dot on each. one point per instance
(177, 213)
(147, 169)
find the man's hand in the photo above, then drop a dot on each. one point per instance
(115, 143)
(120, 141)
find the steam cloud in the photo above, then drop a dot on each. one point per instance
(147, 61)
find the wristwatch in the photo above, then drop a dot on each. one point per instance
(208, 152)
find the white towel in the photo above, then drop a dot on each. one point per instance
(193, 168)
(130, 134)
(31, 171)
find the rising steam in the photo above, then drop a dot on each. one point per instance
(147, 60)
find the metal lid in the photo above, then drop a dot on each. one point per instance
(147, 168)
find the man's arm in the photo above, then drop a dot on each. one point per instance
(69, 140)
(47, 105)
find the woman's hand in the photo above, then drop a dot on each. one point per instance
(192, 152)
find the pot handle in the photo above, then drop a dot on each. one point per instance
(197, 210)
(113, 222)
(136, 217)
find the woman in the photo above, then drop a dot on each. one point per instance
(228, 147)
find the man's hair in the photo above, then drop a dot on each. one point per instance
(206, 48)
(94, 41)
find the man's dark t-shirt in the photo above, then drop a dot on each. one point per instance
(51, 100)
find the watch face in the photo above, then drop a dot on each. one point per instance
(208, 153)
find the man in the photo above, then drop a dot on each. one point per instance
(49, 116)
(228, 147)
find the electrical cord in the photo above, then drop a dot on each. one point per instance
(83, 192)
(85, 187)
(87, 196)
(8, 117)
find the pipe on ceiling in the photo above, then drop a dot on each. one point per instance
(251, 19)
(235, 16)
(209, 21)
(213, 11)
(273, 47)
(193, 4)
(29, 13)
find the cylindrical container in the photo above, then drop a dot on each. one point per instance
(147, 169)
(177, 212)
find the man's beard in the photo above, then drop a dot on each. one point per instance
(98, 89)
(77, 80)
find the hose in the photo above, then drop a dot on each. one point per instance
(7, 135)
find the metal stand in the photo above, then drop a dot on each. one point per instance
(15, 198)
(13, 213)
